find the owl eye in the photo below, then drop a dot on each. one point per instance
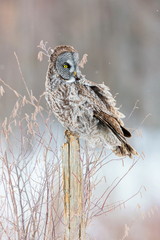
(66, 65)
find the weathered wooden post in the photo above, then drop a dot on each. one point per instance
(72, 187)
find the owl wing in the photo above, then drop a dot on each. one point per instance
(106, 110)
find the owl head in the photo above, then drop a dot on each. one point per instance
(65, 61)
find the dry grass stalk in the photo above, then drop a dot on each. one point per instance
(83, 60)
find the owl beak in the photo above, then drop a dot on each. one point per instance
(75, 74)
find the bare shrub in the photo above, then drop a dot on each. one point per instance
(31, 198)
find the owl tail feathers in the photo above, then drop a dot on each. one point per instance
(125, 150)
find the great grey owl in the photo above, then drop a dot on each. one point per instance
(83, 107)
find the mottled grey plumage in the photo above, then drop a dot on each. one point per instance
(84, 107)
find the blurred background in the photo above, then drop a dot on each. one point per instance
(122, 40)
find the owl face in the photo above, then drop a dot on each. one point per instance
(67, 66)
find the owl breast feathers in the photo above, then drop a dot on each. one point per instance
(84, 107)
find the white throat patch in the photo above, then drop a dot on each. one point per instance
(71, 80)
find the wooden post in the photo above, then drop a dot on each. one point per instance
(72, 187)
